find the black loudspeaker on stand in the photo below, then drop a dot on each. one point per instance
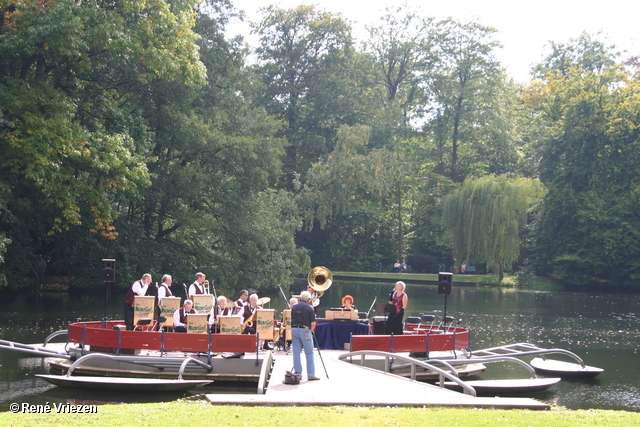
(108, 276)
(445, 285)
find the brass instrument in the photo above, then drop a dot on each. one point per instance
(249, 322)
(319, 279)
(206, 286)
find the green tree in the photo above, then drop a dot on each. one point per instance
(586, 52)
(485, 216)
(588, 228)
(401, 52)
(72, 142)
(467, 89)
(303, 61)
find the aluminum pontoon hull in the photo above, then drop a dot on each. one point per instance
(564, 369)
(122, 384)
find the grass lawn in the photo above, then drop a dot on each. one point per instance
(200, 413)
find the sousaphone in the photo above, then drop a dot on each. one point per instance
(319, 279)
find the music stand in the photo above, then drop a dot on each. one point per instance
(381, 307)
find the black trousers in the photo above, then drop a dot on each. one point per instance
(128, 316)
(394, 323)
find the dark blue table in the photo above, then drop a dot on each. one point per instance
(333, 336)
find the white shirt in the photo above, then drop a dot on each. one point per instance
(315, 302)
(176, 318)
(139, 289)
(162, 293)
(194, 286)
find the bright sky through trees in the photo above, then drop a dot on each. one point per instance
(524, 27)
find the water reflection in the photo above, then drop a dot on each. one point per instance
(604, 330)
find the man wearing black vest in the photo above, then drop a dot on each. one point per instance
(138, 288)
(197, 287)
(180, 316)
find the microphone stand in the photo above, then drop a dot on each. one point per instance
(371, 308)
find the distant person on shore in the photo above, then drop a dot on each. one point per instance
(399, 300)
(463, 268)
(180, 316)
(40, 265)
(397, 266)
(403, 266)
(138, 288)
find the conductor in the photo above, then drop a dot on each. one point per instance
(303, 321)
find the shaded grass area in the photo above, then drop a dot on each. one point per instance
(201, 413)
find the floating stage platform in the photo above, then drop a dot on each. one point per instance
(354, 385)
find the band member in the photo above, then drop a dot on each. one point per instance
(293, 301)
(315, 299)
(242, 301)
(220, 309)
(138, 288)
(163, 289)
(398, 302)
(197, 288)
(180, 316)
(347, 303)
(248, 311)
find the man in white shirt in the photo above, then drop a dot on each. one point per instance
(180, 316)
(138, 288)
(163, 289)
(197, 288)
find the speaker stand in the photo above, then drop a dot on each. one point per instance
(445, 308)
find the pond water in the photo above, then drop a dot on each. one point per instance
(602, 329)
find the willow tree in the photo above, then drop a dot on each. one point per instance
(484, 217)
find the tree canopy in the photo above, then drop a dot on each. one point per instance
(141, 131)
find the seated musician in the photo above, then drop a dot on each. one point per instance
(180, 316)
(248, 312)
(347, 303)
(220, 309)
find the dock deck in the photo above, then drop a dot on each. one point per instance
(354, 385)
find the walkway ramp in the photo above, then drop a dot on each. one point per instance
(354, 385)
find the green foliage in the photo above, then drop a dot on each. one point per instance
(588, 230)
(137, 130)
(485, 216)
(305, 60)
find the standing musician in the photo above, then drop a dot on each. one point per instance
(180, 316)
(217, 310)
(163, 289)
(138, 288)
(247, 313)
(197, 288)
(315, 299)
(242, 300)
